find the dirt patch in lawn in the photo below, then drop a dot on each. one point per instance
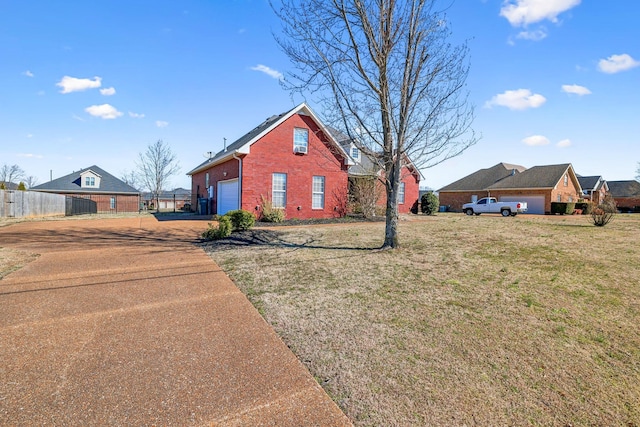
(11, 260)
(474, 321)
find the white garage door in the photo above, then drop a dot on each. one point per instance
(227, 196)
(535, 204)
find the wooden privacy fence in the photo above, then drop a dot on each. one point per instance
(18, 204)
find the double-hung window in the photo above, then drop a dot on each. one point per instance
(89, 181)
(401, 193)
(317, 201)
(355, 154)
(300, 140)
(112, 203)
(279, 190)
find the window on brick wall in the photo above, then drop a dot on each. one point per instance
(279, 190)
(401, 193)
(300, 140)
(318, 193)
(566, 180)
(559, 198)
(112, 203)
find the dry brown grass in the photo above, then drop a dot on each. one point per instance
(474, 321)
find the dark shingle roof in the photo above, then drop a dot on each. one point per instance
(71, 184)
(484, 178)
(240, 142)
(624, 188)
(590, 182)
(536, 177)
(367, 164)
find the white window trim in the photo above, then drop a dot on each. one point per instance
(296, 143)
(274, 191)
(401, 192)
(315, 193)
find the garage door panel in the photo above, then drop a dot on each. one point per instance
(535, 204)
(227, 196)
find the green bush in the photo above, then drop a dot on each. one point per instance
(241, 219)
(429, 203)
(562, 208)
(222, 230)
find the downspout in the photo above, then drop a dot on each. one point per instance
(239, 159)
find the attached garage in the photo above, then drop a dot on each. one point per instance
(228, 196)
(535, 204)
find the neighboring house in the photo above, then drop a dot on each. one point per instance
(110, 193)
(365, 164)
(474, 186)
(626, 194)
(539, 186)
(290, 160)
(176, 199)
(594, 188)
(9, 185)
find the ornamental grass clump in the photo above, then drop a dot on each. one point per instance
(604, 213)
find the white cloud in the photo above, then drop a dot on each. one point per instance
(520, 99)
(29, 135)
(576, 89)
(536, 35)
(135, 115)
(536, 140)
(617, 63)
(523, 12)
(30, 155)
(268, 71)
(162, 124)
(108, 91)
(27, 73)
(564, 143)
(72, 84)
(104, 111)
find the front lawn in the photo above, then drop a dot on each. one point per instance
(474, 321)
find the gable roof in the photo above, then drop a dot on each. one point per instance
(592, 183)
(538, 177)
(624, 188)
(243, 144)
(71, 184)
(484, 178)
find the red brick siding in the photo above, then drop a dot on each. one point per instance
(216, 173)
(124, 203)
(627, 202)
(411, 191)
(273, 153)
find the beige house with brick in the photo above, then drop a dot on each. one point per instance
(539, 186)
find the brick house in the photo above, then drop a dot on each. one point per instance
(366, 164)
(538, 186)
(290, 159)
(110, 193)
(626, 194)
(594, 188)
(474, 186)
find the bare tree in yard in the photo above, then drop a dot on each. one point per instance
(638, 172)
(131, 178)
(156, 166)
(11, 174)
(385, 74)
(31, 181)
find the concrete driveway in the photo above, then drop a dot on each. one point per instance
(126, 322)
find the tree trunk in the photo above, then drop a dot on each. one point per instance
(391, 223)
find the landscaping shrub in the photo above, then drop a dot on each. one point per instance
(585, 207)
(429, 203)
(241, 219)
(604, 213)
(269, 213)
(222, 230)
(562, 208)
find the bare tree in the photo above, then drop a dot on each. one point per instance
(30, 181)
(156, 166)
(385, 74)
(10, 174)
(638, 172)
(131, 178)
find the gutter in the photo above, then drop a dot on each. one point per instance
(239, 159)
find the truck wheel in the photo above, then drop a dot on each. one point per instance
(468, 212)
(477, 213)
(505, 212)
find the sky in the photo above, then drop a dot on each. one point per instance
(95, 82)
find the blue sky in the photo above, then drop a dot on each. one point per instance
(94, 82)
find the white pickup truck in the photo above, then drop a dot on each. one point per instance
(491, 205)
